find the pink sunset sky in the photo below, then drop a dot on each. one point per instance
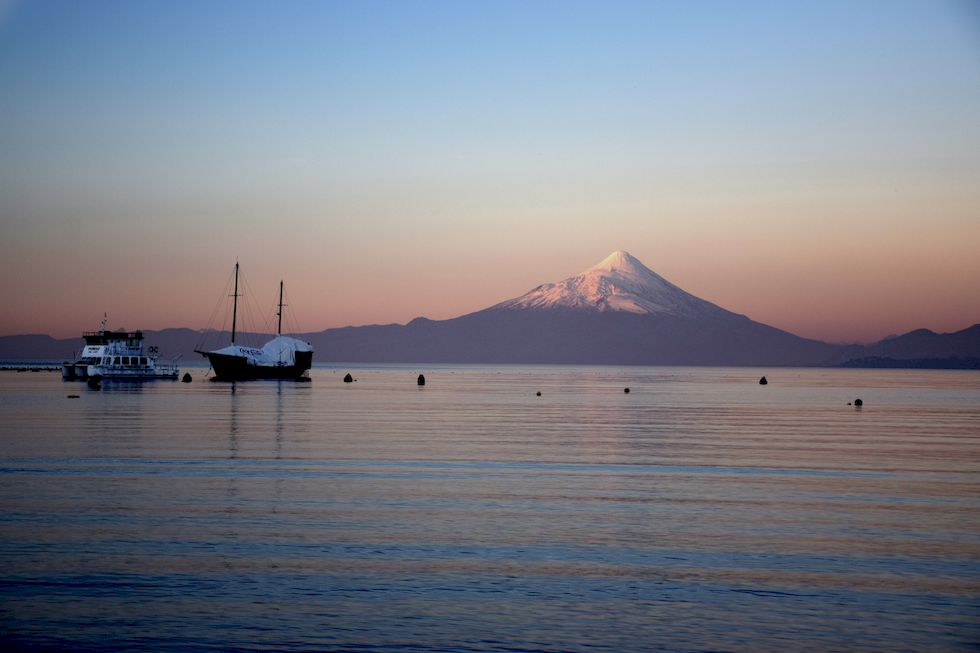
(816, 168)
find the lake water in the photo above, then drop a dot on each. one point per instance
(699, 512)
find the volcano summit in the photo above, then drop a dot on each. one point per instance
(618, 283)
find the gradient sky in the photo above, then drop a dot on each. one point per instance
(814, 165)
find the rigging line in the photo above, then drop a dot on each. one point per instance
(256, 314)
(219, 336)
(268, 320)
(208, 327)
(244, 315)
(251, 310)
(287, 316)
(291, 320)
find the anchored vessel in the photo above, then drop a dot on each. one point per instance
(116, 355)
(280, 358)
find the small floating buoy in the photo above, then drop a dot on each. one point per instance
(626, 390)
(763, 381)
(348, 378)
(537, 394)
(421, 379)
(186, 378)
(848, 403)
(858, 402)
(73, 396)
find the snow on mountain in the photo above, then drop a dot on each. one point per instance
(620, 282)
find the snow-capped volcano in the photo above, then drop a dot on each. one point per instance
(619, 282)
(618, 312)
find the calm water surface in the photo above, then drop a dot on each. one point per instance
(699, 512)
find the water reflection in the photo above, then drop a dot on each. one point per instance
(233, 420)
(260, 419)
(695, 513)
(279, 420)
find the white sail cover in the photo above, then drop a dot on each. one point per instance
(281, 350)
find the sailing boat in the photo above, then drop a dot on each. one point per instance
(280, 358)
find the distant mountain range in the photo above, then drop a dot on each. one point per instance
(616, 312)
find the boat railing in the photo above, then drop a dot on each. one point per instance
(166, 368)
(114, 335)
(170, 367)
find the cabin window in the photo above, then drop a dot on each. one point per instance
(115, 360)
(125, 360)
(142, 360)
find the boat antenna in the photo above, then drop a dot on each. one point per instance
(105, 316)
(279, 330)
(234, 309)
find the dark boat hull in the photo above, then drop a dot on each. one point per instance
(237, 368)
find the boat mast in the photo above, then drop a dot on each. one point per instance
(234, 309)
(279, 330)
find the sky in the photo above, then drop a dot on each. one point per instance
(813, 165)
